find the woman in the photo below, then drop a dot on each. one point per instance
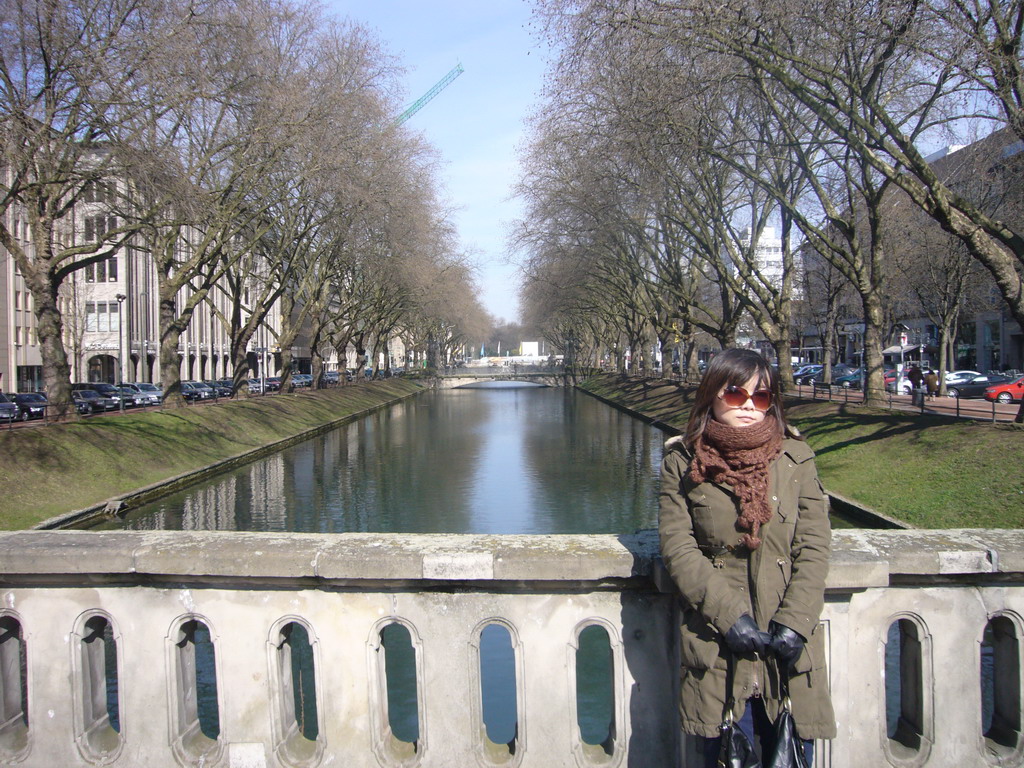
(745, 535)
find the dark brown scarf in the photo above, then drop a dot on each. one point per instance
(740, 457)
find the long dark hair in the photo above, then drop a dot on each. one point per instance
(734, 367)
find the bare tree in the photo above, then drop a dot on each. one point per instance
(68, 73)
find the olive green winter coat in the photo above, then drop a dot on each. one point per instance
(782, 580)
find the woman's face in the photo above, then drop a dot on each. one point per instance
(743, 415)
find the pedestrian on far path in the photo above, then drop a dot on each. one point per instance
(746, 538)
(931, 383)
(915, 377)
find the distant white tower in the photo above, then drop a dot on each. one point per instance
(768, 258)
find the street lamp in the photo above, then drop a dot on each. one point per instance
(120, 351)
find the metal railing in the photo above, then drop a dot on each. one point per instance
(919, 402)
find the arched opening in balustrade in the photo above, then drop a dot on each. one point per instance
(908, 706)
(498, 691)
(13, 689)
(98, 688)
(397, 706)
(1001, 687)
(297, 714)
(595, 692)
(195, 707)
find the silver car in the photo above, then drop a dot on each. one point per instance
(142, 394)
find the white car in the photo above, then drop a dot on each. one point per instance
(955, 377)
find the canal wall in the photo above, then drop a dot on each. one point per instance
(103, 637)
(111, 463)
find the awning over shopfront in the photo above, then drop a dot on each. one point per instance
(904, 349)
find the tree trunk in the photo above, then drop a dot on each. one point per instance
(56, 371)
(170, 361)
(944, 332)
(874, 387)
(784, 355)
(240, 368)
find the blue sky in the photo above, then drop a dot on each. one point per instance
(477, 122)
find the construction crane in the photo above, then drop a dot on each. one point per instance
(421, 102)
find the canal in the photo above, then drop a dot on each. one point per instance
(489, 459)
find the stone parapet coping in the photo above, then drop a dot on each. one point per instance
(861, 559)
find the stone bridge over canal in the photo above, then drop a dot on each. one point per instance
(527, 374)
(103, 637)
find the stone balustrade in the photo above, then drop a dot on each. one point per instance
(115, 648)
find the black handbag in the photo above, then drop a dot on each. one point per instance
(735, 751)
(789, 747)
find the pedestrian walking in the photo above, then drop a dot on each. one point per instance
(931, 383)
(746, 538)
(915, 377)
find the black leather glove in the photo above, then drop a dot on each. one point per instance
(745, 637)
(785, 643)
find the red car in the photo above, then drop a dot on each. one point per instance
(1006, 391)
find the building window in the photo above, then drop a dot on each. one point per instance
(102, 272)
(98, 192)
(101, 316)
(98, 226)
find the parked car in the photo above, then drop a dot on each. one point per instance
(219, 388)
(302, 380)
(1007, 392)
(30, 405)
(191, 392)
(131, 396)
(104, 389)
(898, 382)
(805, 369)
(973, 387)
(839, 369)
(135, 395)
(851, 380)
(255, 386)
(89, 401)
(808, 372)
(955, 377)
(202, 390)
(151, 392)
(272, 383)
(8, 410)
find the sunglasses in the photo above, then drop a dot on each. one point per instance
(737, 396)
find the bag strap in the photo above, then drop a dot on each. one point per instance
(729, 715)
(784, 670)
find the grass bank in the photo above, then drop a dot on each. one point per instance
(931, 471)
(50, 470)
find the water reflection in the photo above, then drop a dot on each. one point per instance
(498, 460)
